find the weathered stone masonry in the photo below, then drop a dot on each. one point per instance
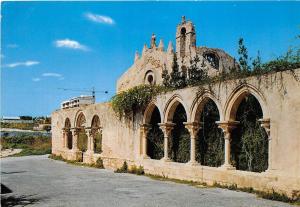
(277, 93)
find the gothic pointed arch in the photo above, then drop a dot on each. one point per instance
(171, 106)
(238, 95)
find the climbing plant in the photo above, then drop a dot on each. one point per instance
(134, 99)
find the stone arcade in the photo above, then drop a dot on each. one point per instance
(278, 95)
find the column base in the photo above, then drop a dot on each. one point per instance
(228, 167)
(145, 157)
(166, 159)
(193, 163)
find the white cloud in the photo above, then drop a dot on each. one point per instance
(36, 79)
(51, 75)
(72, 44)
(12, 45)
(56, 75)
(26, 63)
(99, 18)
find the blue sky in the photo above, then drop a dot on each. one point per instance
(78, 45)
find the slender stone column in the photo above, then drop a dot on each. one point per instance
(265, 123)
(89, 134)
(227, 127)
(75, 133)
(167, 129)
(193, 128)
(144, 129)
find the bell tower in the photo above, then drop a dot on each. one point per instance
(185, 38)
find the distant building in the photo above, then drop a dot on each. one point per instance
(14, 119)
(78, 101)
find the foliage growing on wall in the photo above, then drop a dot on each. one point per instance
(134, 99)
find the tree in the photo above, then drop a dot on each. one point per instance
(243, 59)
(256, 63)
(166, 78)
(195, 74)
(177, 78)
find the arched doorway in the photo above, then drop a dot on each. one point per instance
(155, 136)
(210, 140)
(249, 145)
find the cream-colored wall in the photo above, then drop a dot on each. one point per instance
(278, 94)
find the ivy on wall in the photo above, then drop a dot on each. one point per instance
(134, 99)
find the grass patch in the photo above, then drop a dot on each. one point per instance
(295, 199)
(30, 145)
(24, 126)
(187, 182)
(132, 170)
(98, 164)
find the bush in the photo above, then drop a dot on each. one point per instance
(99, 163)
(137, 170)
(123, 169)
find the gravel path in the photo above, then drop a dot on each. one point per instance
(39, 181)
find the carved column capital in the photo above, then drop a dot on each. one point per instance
(145, 128)
(193, 128)
(265, 123)
(227, 127)
(88, 131)
(166, 128)
(75, 131)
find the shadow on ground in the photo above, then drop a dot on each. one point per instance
(13, 200)
(8, 201)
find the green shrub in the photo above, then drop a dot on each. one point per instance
(137, 170)
(123, 169)
(99, 163)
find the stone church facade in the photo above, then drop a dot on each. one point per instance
(277, 93)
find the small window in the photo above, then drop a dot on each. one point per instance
(183, 31)
(212, 59)
(150, 79)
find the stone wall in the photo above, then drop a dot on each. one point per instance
(277, 93)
